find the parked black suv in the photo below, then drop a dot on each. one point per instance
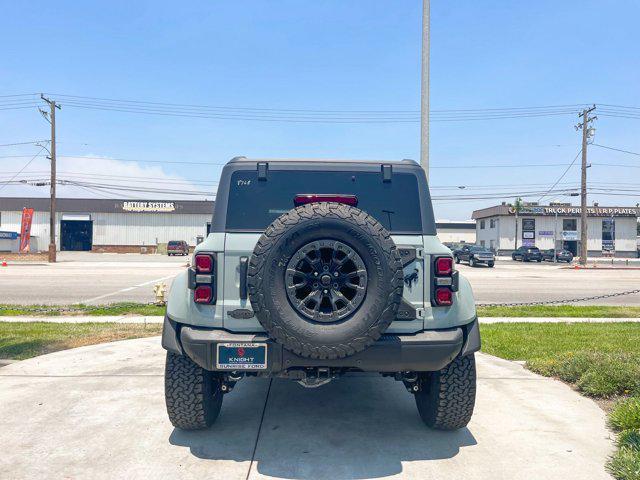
(474, 254)
(527, 254)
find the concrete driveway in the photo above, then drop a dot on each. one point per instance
(98, 412)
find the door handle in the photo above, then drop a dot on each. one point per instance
(244, 265)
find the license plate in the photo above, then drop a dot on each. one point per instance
(242, 356)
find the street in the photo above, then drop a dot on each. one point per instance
(519, 282)
(90, 278)
(95, 278)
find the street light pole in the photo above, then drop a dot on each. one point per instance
(424, 99)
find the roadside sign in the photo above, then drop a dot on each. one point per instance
(25, 230)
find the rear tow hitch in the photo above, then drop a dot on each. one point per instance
(314, 378)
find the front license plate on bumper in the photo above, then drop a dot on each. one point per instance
(242, 356)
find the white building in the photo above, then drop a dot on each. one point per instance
(451, 231)
(108, 225)
(610, 230)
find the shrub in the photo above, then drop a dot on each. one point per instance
(630, 439)
(625, 464)
(597, 374)
(626, 414)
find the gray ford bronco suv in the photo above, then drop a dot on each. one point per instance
(313, 270)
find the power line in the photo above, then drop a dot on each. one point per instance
(563, 174)
(22, 169)
(35, 142)
(306, 110)
(616, 149)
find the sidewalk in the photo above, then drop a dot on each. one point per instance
(159, 319)
(85, 319)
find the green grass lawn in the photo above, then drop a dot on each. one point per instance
(597, 311)
(533, 341)
(21, 340)
(123, 308)
(600, 359)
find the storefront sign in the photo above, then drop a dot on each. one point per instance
(141, 206)
(25, 230)
(575, 211)
(545, 233)
(8, 235)
(569, 235)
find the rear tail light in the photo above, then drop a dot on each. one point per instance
(202, 278)
(203, 294)
(445, 282)
(444, 296)
(444, 266)
(351, 200)
(204, 263)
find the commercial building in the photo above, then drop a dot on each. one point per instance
(450, 231)
(106, 225)
(610, 230)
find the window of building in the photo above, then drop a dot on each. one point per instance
(482, 243)
(570, 224)
(481, 224)
(608, 234)
(492, 223)
(492, 245)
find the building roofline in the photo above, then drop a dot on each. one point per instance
(542, 210)
(102, 205)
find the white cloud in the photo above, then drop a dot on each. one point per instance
(104, 176)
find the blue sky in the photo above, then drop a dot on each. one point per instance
(332, 54)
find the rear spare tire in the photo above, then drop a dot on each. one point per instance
(325, 280)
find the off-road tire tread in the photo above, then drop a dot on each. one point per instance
(448, 398)
(257, 266)
(192, 394)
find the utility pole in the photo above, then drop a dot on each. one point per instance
(424, 100)
(52, 205)
(517, 205)
(586, 120)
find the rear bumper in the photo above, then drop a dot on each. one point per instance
(429, 350)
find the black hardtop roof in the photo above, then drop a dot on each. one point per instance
(320, 162)
(387, 169)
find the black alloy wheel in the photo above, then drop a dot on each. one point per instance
(326, 280)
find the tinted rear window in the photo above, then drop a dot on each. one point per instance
(254, 204)
(173, 244)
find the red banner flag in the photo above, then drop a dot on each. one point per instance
(25, 230)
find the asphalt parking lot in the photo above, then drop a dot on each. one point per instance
(98, 412)
(98, 278)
